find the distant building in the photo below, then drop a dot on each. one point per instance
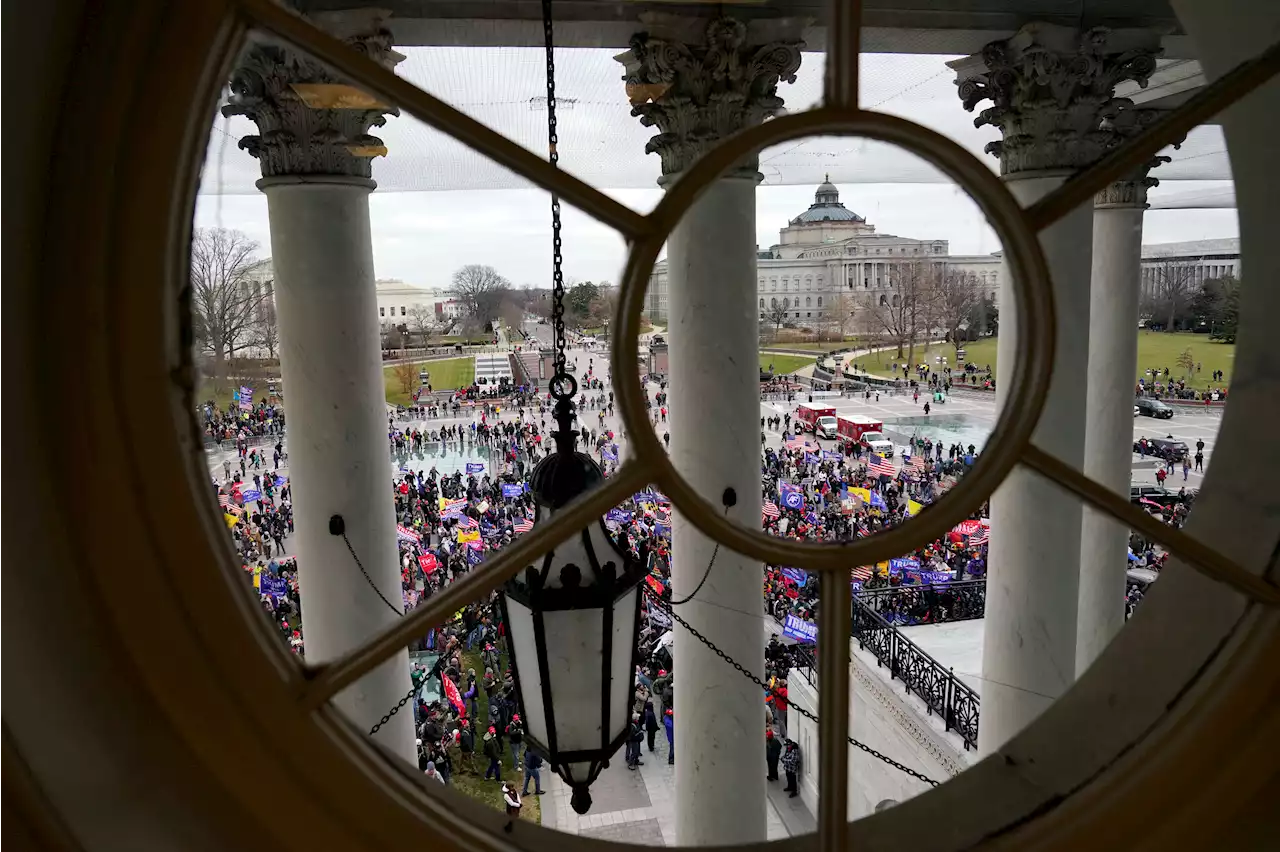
(1206, 260)
(829, 252)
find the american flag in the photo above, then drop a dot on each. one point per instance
(917, 462)
(770, 509)
(523, 525)
(801, 444)
(862, 572)
(466, 523)
(224, 501)
(662, 516)
(880, 467)
(982, 536)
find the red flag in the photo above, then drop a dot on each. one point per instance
(454, 697)
(428, 563)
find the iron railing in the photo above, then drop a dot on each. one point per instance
(929, 604)
(942, 692)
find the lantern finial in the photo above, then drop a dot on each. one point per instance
(581, 798)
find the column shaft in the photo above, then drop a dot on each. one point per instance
(1113, 361)
(715, 439)
(339, 463)
(1029, 632)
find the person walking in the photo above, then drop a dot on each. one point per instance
(650, 722)
(515, 735)
(791, 766)
(432, 773)
(494, 752)
(532, 771)
(772, 751)
(633, 742)
(511, 799)
(669, 723)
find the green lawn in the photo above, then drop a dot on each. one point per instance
(446, 374)
(490, 792)
(1155, 349)
(783, 364)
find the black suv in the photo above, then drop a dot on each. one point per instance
(1165, 448)
(1153, 408)
(1153, 493)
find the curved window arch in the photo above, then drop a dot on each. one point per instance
(786, 303)
(819, 301)
(884, 300)
(808, 302)
(773, 303)
(896, 300)
(762, 303)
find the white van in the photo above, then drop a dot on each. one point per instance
(826, 427)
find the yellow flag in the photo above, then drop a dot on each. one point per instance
(913, 507)
(863, 493)
(468, 537)
(230, 519)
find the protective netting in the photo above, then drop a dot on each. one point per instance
(602, 144)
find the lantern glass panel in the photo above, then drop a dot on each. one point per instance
(524, 650)
(622, 693)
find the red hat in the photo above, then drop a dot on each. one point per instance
(515, 717)
(768, 733)
(661, 672)
(667, 711)
(492, 729)
(465, 723)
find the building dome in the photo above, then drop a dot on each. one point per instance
(826, 207)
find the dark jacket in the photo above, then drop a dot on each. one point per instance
(650, 717)
(532, 761)
(772, 750)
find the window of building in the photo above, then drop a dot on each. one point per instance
(808, 302)
(819, 301)
(382, 312)
(402, 310)
(884, 300)
(773, 303)
(797, 315)
(896, 300)
(762, 303)
(808, 313)
(786, 303)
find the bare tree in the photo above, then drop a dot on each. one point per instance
(954, 295)
(480, 289)
(422, 320)
(1174, 288)
(224, 302)
(844, 311)
(906, 312)
(776, 314)
(266, 329)
(406, 374)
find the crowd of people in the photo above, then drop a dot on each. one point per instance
(450, 522)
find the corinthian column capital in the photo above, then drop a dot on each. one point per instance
(311, 122)
(1050, 89)
(699, 81)
(1126, 122)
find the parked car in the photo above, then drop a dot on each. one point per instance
(1153, 408)
(1153, 493)
(1165, 448)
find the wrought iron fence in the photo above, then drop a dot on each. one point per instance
(928, 604)
(942, 692)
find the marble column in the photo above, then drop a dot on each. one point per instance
(315, 152)
(1113, 362)
(1051, 87)
(698, 81)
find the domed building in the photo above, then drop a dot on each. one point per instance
(829, 256)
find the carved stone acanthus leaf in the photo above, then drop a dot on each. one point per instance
(1124, 124)
(296, 139)
(697, 94)
(1051, 88)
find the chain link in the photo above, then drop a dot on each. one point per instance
(553, 156)
(693, 631)
(369, 579)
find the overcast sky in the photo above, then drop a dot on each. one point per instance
(440, 206)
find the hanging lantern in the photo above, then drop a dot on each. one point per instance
(572, 621)
(572, 618)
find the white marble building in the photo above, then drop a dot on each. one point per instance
(829, 252)
(1203, 261)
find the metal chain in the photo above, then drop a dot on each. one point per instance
(553, 156)
(413, 690)
(760, 683)
(369, 579)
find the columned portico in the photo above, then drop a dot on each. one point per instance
(1113, 361)
(1051, 88)
(679, 80)
(316, 175)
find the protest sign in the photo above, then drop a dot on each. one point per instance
(798, 628)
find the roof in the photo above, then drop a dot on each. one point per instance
(1193, 248)
(826, 207)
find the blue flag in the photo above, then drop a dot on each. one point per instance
(831, 455)
(812, 458)
(252, 495)
(475, 467)
(792, 497)
(797, 574)
(474, 557)
(877, 502)
(512, 490)
(798, 628)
